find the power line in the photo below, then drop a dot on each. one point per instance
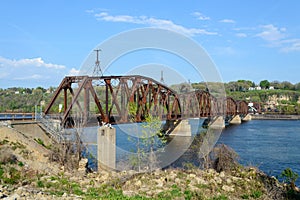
(97, 69)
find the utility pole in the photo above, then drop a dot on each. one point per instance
(97, 69)
(162, 76)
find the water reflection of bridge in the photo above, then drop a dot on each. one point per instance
(124, 99)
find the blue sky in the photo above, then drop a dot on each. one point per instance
(43, 41)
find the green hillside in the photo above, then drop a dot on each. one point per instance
(279, 97)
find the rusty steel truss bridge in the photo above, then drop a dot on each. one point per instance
(124, 99)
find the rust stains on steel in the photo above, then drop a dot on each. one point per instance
(242, 107)
(118, 99)
(231, 106)
(124, 99)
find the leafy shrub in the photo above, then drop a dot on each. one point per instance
(289, 177)
(3, 142)
(256, 194)
(225, 158)
(40, 184)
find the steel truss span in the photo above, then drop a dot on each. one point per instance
(124, 99)
(113, 99)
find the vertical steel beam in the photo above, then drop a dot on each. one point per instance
(86, 103)
(106, 101)
(65, 99)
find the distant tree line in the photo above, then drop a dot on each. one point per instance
(244, 85)
(287, 94)
(19, 99)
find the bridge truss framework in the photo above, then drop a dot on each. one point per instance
(124, 99)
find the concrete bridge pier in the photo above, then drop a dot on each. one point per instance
(182, 129)
(106, 148)
(236, 120)
(247, 118)
(217, 122)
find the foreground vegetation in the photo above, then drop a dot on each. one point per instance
(193, 183)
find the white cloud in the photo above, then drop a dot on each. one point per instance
(291, 45)
(200, 16)
(34, 76)
(277, 37)
(90, 11)
(73, 72)
(37, 62)
(227, 21)
(119, 18)
(271, 33)
(241, 35)
(29, 72)
(153, 22)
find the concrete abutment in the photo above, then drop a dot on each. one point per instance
(236, 120)
(182, 129)
(106, 148)
(247, 118)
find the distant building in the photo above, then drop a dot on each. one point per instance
(259, 88)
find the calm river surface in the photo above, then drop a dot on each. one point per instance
(271, 145)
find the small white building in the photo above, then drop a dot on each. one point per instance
(258, 88)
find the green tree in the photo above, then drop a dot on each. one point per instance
(289, 177)
(199, 86)
(287, 85)
(151, 128)
(231, 86)
(146, 142)
(265, 84)
(276, 84)
(297, 86)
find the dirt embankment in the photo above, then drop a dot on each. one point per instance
(29, 144)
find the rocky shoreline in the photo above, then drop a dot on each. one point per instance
(160, 184)
(245, 183)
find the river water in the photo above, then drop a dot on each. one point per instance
(270, 145)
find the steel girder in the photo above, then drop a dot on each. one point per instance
(124, 99)
(117, 99)
(231, 106)
(200, 104)
(242, 107)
